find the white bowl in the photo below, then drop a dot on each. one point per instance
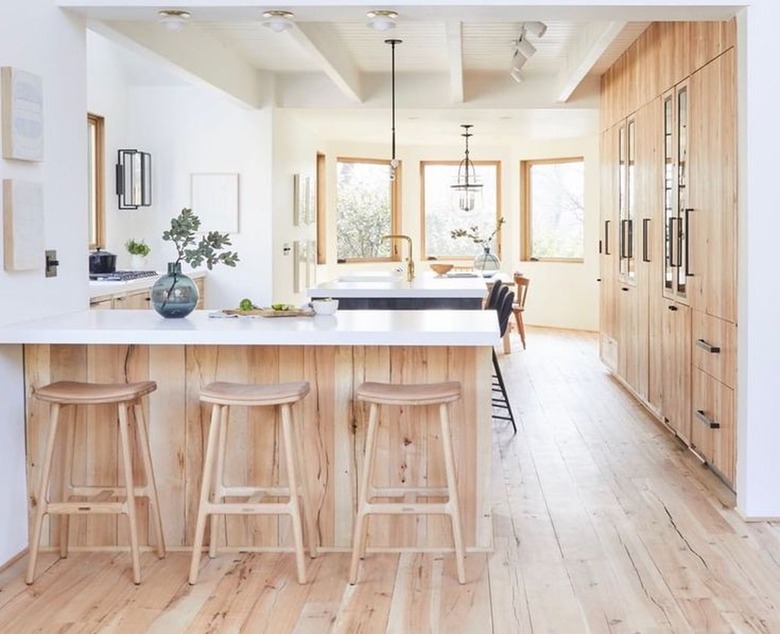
(325, 306)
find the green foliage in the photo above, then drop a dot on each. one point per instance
(209, 248)
(137, 247)
(363, 207)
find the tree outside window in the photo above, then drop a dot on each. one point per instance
(554, 209)
(440, 217)
(366, 204)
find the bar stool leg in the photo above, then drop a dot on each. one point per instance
(127, 466)
(43, 493)
(205, 488)
(452, 486)
(361, 520)
(145, 450)
(294, 503)
(218, 488)
(308, 509)
(67, 481)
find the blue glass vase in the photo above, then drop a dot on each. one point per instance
(486, 262)
(174, 294)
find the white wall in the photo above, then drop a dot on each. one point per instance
(187, 129)
(36, 37)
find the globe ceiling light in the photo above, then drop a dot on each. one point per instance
(173, 19)
(382, 20)
(278, 21)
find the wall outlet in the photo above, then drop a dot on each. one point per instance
(51, 263)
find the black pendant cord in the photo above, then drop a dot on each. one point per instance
(392, 44)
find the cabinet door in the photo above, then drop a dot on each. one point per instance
(713, 434)
(676, 368)
(133, 301)
(102, 304)
(713, 189)
(608, 340)
(201, 284)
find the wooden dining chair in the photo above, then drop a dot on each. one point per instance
(521, 286)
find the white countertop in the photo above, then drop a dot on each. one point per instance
(348, 327)
(424, 285)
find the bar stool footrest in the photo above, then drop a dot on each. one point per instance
(76, 508)
(237, 508)
(399, 508)
(397, 492)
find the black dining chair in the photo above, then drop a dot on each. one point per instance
(500, 398)
(493, 295)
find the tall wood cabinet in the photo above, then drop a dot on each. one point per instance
(668, 231)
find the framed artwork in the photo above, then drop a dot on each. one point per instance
(22, 114)
(23, 244)
(214, 199)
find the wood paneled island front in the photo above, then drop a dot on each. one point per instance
(335, 354)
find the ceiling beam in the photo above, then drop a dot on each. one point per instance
(583, 53)
(330, 58)
(454, 31)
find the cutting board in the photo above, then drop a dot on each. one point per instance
(269, 312)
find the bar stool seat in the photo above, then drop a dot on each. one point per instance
(125, 396)
(222, 396)
(407, 395)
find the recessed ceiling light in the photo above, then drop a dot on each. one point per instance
(381, 20)
(173, 19)
(278, 21)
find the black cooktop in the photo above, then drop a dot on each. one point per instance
(121, 276)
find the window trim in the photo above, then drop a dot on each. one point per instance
(320, 206)
(98, 192)
(395, 207)
(423, 241)
(526, 223)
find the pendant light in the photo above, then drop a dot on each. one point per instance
(393, 160)
(467, 190)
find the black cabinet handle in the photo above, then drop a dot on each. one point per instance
(707, 346)
(624, 288)
(712, 424)
(622, 242)
(687, 241)
(630, 239)
(672, 307)
(645, 233)
(673, 241)
(606, 237)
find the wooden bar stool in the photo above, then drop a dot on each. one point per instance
(124, 396)
(223, 396)
(441, 394)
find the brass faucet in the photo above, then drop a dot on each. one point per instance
(409, 261)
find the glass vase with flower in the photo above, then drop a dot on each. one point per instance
(485, 261)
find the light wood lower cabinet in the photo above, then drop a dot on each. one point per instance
(713, 434)
(133, 301)
(676, 368)
(140, 299)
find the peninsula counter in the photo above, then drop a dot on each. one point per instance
(335, 354)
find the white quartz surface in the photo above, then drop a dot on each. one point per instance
(348, 327)
(424, 285)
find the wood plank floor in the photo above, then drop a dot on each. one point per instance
(603, 522)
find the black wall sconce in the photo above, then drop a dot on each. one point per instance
(134, 179)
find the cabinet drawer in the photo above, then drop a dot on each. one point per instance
(714, 347)
(712, 423)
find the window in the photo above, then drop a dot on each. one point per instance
(367, 209)
(96, 175)
(553, 209)
(319, 205)
(439, 217)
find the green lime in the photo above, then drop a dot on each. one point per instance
(246, 304)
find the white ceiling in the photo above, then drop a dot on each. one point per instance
(453, 63)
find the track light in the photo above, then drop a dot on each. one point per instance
(516, 75)
(278, 21)
(381, 20)
(537, 29)
(173, 19)
(525, 48)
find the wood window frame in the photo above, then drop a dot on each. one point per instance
(526, 221)
(465, 258)
(320, 206)
(97, 171)
(395, 206)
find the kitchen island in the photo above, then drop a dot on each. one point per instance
(388, 292)
(334, 353)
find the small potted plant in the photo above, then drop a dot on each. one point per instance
(175, 294)
(138, 250)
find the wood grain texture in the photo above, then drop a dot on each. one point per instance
(603, 522)
(332, 431)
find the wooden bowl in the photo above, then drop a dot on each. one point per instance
(441, 269)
